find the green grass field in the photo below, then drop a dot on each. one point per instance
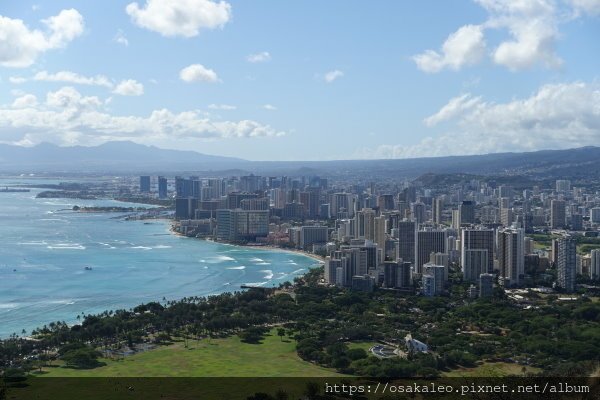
(215, 358)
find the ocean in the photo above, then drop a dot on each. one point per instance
(56, 264)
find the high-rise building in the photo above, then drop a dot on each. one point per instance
(467, 212)
(379, 228)
(438, 208)
(439, 273)
(162, 187)
(406, 241)
(567, 263)
(595, 215)
(557, 214)
(238, 224)
(477, 253)
(486, 285)
(441, 259)
(506, 216)
(427, 242)
(310, 235)
(390, 271)
(145, 184)
(429, 287)
(365, 224)
(419, 212)
(331, 265)
(385, 202)
(563, 185)
(511, 256)
(183, 187)
(595, 264)
(576, 222)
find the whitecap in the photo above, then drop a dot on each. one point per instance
(66, 246)
(240, 267)
(42, 243)
(8, 306)
(162, 246)
(268, 272)
(263, 263)
(141, 247)
(218, 259)
(255, 283)
(258, 260)
(298, 271)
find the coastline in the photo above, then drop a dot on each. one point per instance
(315, 257)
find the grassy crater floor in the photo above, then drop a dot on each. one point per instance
(228, 357)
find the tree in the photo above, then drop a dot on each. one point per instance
(281, 333)
(85, 358)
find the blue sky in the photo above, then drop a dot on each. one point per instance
(303, 80)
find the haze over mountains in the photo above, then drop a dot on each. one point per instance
(129, 157)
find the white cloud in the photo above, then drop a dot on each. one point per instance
(72, 77)
(121, 39)
(180, 17)
(27, 100)
(17, 80)
(198, 73)
(591, 7)
(224, 107)
(333, 75)
(68, 117)
(20, 46)
(466, 46)
(557, 116)
(263, 56)
(455, 107)
(528, 32)
(129, 87)
(269, 107)
(533, 29)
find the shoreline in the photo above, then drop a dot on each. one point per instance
(266, 247)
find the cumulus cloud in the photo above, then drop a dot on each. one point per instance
(466, 46)
(198, 73)
(68, 117)
(269, 107)
(333, 75)
(455, 107)
(27, 100)
(528, 29)
(20, 46)
(223, 107)
(263, 56)
(180, 17)
(557, 116)
(129, 87)
(72, 77)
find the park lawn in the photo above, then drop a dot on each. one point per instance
(227, 357)
(366, 346)
(491, 369)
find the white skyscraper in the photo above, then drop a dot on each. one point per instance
(511, 256)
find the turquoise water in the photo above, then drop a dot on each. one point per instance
(45, 248)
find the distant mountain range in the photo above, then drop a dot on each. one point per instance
(136, 158)
(110, 156)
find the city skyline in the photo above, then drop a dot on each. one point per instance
(266, 81)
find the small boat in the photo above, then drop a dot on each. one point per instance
(88, 268)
